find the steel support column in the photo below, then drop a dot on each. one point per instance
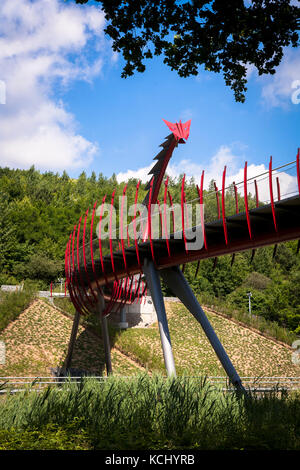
(72, 341)
(153, 282)
(174, 278)
(105, 336)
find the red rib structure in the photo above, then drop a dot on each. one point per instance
(117, 274)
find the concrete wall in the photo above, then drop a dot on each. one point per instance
(8, 288)
(137, 315)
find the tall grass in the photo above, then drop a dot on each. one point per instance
(157, 413)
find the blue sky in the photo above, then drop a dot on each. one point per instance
(68, 108)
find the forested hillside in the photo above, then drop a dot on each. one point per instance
(39, 210)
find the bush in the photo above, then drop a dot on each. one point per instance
(256, 281)
(50, 437)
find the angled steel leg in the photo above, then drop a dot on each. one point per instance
(72, 342)
(105, 336)
(153, 282)
(174, 278)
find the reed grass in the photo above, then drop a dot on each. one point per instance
(145, 412)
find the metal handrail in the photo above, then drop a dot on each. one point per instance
(255, 382)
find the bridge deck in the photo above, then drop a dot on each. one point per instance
(263, 232)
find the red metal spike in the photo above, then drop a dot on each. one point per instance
(165, 216)
(223, 206)
(113, 299)
(298, 169)
(271, 195)
(100, 242)
(150, 222)
(236, 198)
(134, 226)
(182, 212)
(84, 291)
(185, 211)
(137, 290)
(70, 288)
(84, 258)
(118, 289)
(278, 188)
(160, 218)
(200, 193)
(256, 194)
(74, 280)
(77, 292)
(172, 210)
(124, 299)
(92, 250)
(121, 224)
(246, 201)
(133, 290)
(110, 235)
(130, 289)
(128, 240)
(218, 200)
(141, 296)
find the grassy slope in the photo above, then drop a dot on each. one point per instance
(251, 353)
(38, 340)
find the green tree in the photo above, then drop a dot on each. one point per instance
(220, 36)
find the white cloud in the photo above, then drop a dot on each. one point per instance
(277, 89)
(46, 44)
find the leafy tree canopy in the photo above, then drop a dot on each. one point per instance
(222, 36)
